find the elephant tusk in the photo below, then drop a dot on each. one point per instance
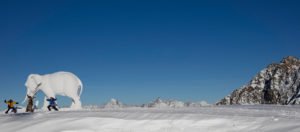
(24, 99)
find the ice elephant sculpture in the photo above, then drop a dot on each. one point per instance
(59, 83)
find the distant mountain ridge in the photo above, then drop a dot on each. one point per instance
(275, 84)
(158, 103)
(171, 103)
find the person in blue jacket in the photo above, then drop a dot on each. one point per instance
(52, 104)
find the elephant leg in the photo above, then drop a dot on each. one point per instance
(76, 103)
(46, 103)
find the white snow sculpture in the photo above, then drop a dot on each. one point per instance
(59, 83)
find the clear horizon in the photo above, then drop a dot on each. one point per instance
(138, 51)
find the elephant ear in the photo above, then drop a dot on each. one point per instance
(36, 78)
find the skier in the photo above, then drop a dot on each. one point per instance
(11, 105)
(52, 104)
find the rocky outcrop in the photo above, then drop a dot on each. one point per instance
(276, 84)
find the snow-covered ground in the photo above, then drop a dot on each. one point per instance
(252, 118)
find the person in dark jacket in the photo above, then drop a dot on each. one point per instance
(52, 104)
(11, 105)
(30, 104)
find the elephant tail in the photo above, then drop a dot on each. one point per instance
(80, 86)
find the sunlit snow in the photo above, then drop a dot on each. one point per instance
(266, 118)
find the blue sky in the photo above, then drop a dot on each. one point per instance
(137, 51)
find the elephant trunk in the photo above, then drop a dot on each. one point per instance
(29, 93)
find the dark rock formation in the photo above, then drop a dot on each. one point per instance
(276, 84)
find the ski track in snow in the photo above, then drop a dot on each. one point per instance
(251, 118)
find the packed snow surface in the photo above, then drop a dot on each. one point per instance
(261, 118)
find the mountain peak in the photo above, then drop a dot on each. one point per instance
(158, 100)
(113, 103)
(290, 60)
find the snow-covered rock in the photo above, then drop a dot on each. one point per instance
(276, 84)
(113, 104)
